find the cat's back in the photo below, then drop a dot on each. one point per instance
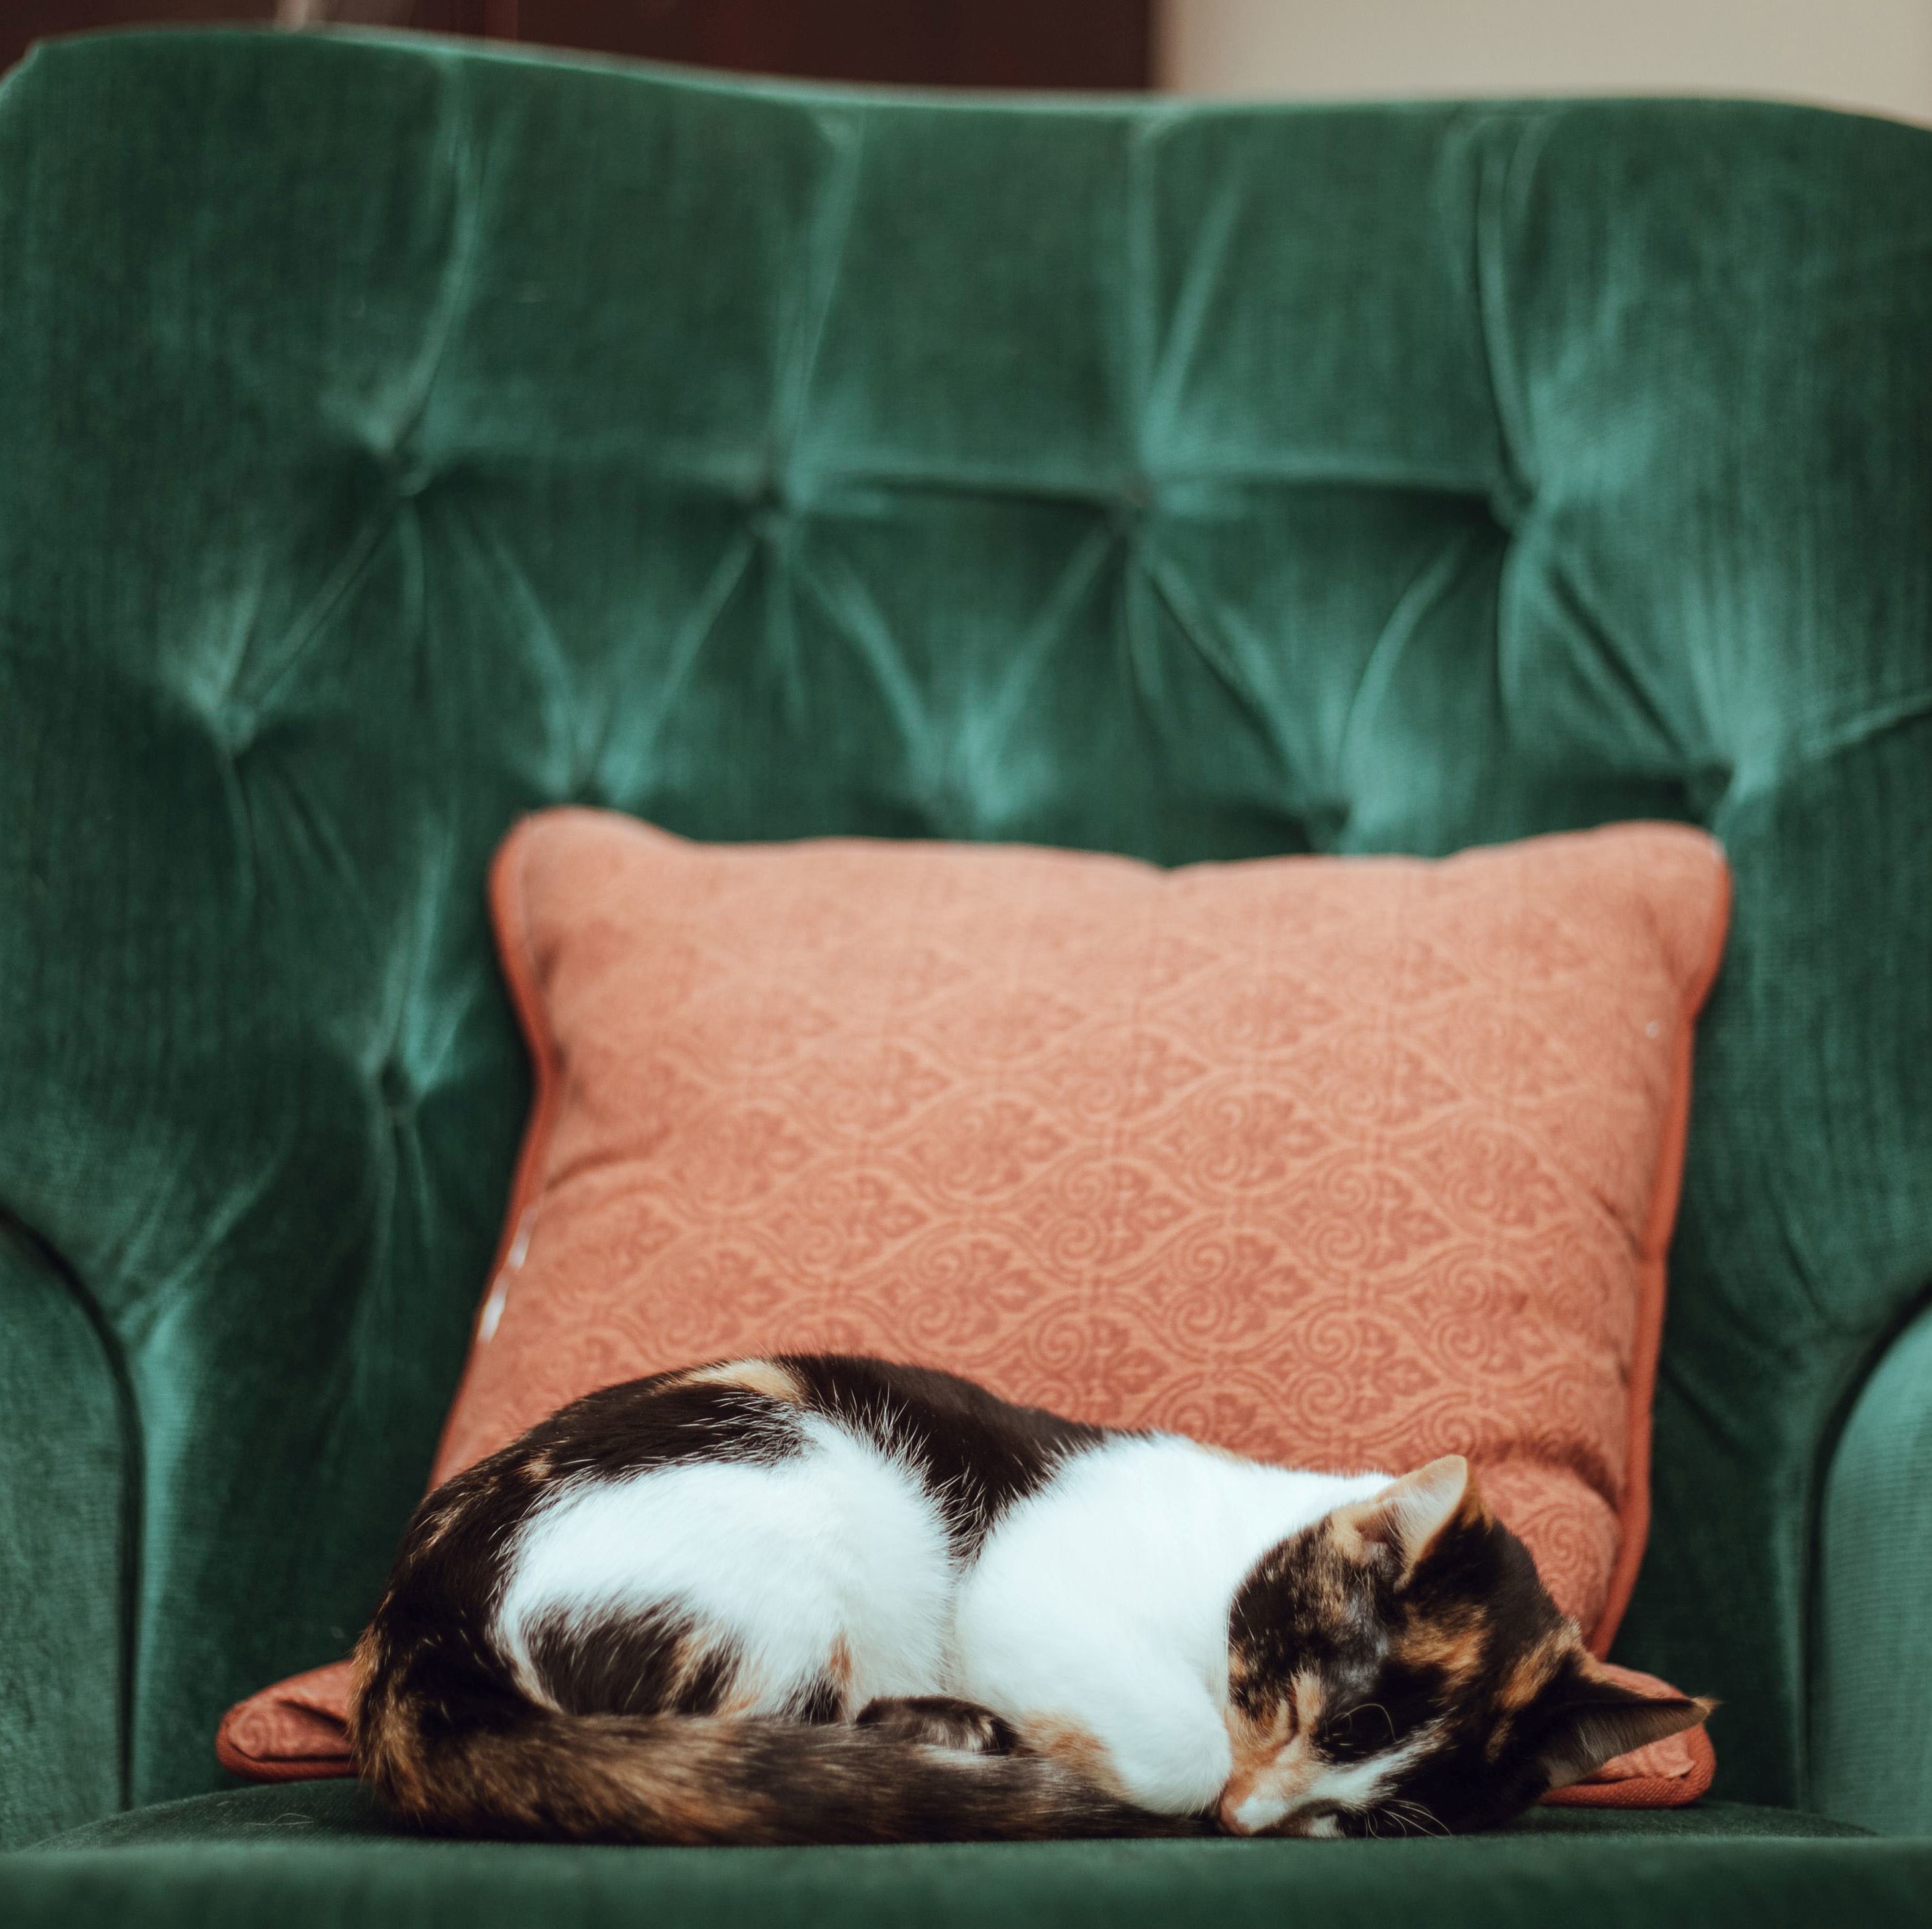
(1142, 1538)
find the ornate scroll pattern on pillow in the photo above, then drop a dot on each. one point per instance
(1343, 1162)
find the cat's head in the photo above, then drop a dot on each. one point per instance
(1400, 1668)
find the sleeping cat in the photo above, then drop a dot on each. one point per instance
(814, 1598)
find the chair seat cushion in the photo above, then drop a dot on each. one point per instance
(317, 1853)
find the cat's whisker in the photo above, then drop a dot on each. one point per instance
(1425, 1820)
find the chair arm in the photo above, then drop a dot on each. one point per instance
(66, 1478)
(1871, 1690)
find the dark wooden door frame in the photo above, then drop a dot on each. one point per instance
(1070, 45)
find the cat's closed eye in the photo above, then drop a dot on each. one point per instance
(1357, 1731)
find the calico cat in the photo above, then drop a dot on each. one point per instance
(814, 1598)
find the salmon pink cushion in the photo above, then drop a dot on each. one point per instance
(1339, 1162)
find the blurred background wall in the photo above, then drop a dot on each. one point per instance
(1076, 43)
(1871, 54)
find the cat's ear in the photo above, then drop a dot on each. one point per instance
(1408, 1514)
(1593, 1719)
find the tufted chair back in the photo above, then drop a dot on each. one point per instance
(400, 438)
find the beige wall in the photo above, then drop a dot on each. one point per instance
(1874, 54)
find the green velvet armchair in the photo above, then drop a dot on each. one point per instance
(396, 436)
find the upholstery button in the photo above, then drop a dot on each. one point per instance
(1128, 509)
(393, 1083)
(233, 727)
(768, 505)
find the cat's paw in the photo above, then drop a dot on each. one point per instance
(941, 1721)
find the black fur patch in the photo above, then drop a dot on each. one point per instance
(655, 1662)
(823, 1700)
(977, 1453)
(661, 1422)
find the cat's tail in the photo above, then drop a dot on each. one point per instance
(489, 1761)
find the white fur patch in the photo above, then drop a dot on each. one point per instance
(838, 1542)
(1259, 1812)
(1356, 1786)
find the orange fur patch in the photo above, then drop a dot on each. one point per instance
(1076, 1750)
(1255, 1743)
(754, 1376)
(1452, 1647)
(1530, 1674)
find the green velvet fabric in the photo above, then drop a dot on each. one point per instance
(402, 436)
(1872, 1693)
(333, 1814)
(299, 1857)
(65, 1484)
